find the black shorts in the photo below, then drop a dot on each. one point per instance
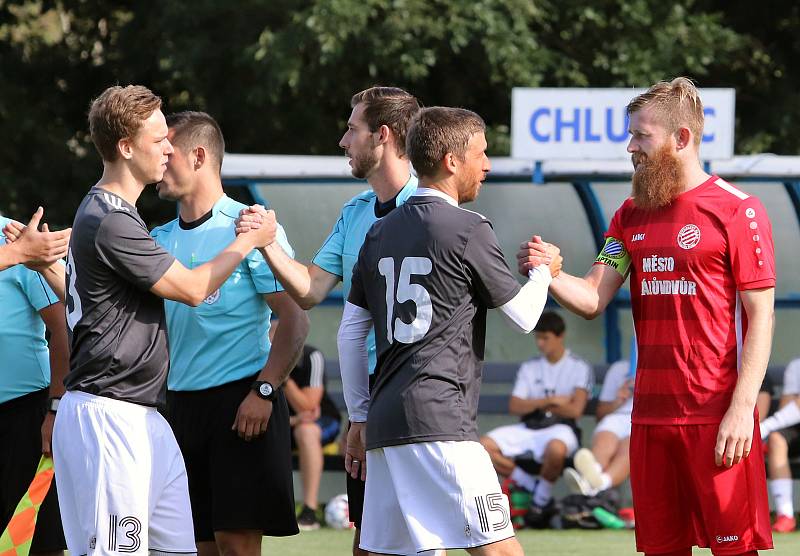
(234, 484)
(355, 497)
(792, 436)
(20, 435)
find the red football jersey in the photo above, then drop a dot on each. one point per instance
(687, 262)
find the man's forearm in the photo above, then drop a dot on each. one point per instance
(287, 346)
(55, 277)
(294, 276)
(754, 361)
(577, 295)
(59, 361)
(9, 256)
(522, 406)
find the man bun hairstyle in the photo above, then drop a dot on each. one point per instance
(675, 103)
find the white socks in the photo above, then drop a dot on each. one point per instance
(543, 492)
(523, 479)
(606, 482)
(781, 490)
(787, 416)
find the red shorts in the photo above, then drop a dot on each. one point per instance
(681, 498)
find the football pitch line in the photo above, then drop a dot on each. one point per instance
(329, 542)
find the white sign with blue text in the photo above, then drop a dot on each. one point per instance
(573, 123)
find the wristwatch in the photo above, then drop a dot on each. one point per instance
(264, 390)
(52, 404)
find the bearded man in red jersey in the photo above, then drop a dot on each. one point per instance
(700, 258)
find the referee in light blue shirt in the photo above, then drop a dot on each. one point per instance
(28, 402)
(225, 401)
(375, 144)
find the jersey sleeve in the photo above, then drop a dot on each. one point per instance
(615, 378)
(752, 252)
(791, 378)
(329, 257)
(122, 243)
(493, 282)
(521, 389)
(37, 290)
(357, 295)
(584, 378)
(262, 275)
(614, 254)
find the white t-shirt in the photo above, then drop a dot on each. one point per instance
(791, 378)
(538, 378)
(616, 376)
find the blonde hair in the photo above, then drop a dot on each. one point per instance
(675, 103)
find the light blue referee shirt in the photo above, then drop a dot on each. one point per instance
(25, 358)
(226, 337)
(339, 253)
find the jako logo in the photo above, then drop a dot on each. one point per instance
(637, 237)
(727, 538)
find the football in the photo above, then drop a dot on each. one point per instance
(337, 513)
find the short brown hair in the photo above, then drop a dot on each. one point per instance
(389, 106)
(118, 113)
(439, 130)
(676, 103)
(195, 129)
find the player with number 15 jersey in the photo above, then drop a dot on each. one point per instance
(425, 277)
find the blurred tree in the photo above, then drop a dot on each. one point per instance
(278, 74)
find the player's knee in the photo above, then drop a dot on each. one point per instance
(307, 433)
(556, 449)
(776, 441)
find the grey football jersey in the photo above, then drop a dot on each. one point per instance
(427, 273)
(117, 326)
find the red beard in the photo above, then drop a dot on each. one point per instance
(656, 180)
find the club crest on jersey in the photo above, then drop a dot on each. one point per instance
(213, 298)
(689, 236)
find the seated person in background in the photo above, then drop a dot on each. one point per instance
(782, 432)
(315, 422)
(607, 464)
(549, 394)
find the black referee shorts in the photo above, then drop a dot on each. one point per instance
(21, 438)
(234, 484)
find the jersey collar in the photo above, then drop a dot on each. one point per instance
(430, 192)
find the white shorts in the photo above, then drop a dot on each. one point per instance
(432, 496)
(515, 440)
(616, 423)
(121, 481)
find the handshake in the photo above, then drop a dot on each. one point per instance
(536, 252)
(259, 224)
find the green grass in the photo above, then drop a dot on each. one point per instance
(546, 543)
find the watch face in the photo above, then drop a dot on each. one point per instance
(265, 389)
